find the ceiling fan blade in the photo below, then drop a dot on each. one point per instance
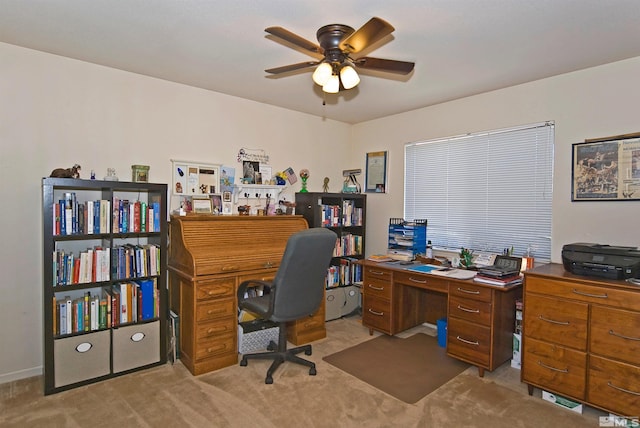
(374, 30)
(292, 67)
(388, 65)
(295, 39)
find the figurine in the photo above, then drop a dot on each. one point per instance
(325, 185)
(73, 172)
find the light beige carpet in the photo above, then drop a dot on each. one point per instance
(407, 369)
(238, 397)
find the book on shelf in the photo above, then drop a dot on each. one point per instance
(501, 282)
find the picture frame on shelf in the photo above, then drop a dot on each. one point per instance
(606, 169)
(202, 205)
(376, 172)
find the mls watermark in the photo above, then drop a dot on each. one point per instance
(619, 421)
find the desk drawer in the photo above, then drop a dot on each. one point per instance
(471, 291)
(377, 288)
(470, 310)
(603, 295)
(615, 333)
(376, 313)
(469, 341)
(215, 328)
(425, 281)
(556, 320)
(549, 364)
(377, 273)
(614, 385)
(215, 289)
(216, 346)
(215, 309)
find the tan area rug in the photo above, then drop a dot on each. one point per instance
(407, 369)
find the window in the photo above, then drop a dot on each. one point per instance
(485, 191)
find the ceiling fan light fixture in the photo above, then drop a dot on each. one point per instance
(349, 77)
(322, 74)
(333, 85)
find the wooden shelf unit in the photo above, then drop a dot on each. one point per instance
(79, 357)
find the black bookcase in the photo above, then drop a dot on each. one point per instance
(95, 265)
(345, 214)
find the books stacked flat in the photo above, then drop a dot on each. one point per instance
(502, 281)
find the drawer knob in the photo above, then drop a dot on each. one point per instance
(541, 364)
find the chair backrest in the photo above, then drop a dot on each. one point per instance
(300, 280)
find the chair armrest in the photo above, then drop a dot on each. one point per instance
(251, 283)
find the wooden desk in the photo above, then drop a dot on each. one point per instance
(209, 256)
(480, 318)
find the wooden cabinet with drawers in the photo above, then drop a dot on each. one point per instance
(480, 323)
(581, 338)
(209, 256)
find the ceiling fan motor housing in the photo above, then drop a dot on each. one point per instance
(329, 38)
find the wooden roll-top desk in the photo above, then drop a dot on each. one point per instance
(209, 256)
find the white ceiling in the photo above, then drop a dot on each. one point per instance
(460, 47)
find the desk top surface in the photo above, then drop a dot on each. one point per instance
(435, 272)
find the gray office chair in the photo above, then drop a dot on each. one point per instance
(296, 292)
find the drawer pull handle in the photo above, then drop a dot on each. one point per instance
(622, 389)
(613, 333)
(226, 268)
(419, 281)
(597, 296)
(376, 272)
(462, 290)
(473, 311)
(84, 347)
(215, 330)
(540, 317)
(215, 311)
(268, 265)
(469, 342)
(375, 288)
(541, 364)
(376, 313)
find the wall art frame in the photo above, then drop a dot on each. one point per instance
(376, 172)
(606, 169)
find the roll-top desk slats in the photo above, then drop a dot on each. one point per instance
(209, 256)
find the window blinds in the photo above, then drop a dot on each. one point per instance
(485, 191)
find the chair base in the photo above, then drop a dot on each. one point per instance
(279, 354)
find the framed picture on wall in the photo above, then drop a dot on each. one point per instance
(376, 178)
(606, 169)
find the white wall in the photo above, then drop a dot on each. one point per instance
(56, 112)
(592, 103)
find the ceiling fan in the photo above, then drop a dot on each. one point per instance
(335, 67)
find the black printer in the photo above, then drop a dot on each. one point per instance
(605, 261)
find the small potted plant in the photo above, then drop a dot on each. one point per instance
(466, 258)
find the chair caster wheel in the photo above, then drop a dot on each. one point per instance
(268, 380)
(271, 346)
(243, 362)
(307, 352)
(312, 371)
